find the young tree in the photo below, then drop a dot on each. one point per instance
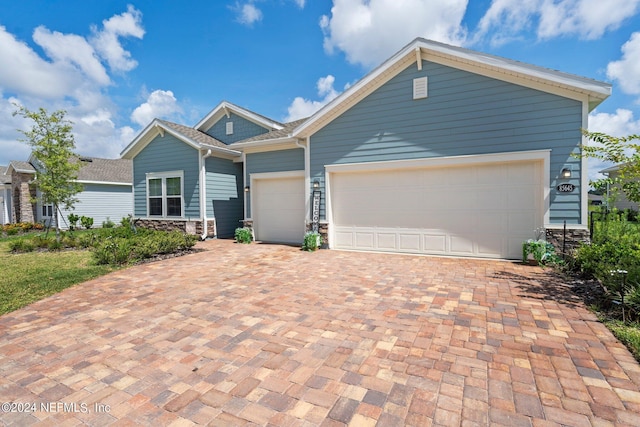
(622, 151)
(52, 145)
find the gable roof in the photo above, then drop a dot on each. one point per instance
(190, 136)
(4, 178)
(420, 49)
(225, 108)
(20, 167)
(277, 134)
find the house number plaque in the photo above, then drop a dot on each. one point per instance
(565, 188)
(315, 212)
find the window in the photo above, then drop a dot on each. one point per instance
(164, 194)
(229, 128)
(47, 211)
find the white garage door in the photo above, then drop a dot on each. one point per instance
(484, 210)
(278, 209)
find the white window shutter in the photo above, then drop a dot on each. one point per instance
(420, 88)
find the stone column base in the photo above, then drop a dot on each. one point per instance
(572, 240)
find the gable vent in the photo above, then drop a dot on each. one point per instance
(420, 88)
(229, 128)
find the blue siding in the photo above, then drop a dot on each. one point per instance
(464, 114)
(164, 154)
(273, 161)
(242, 129)
(224, 194)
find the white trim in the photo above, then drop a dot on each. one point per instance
(163, 176)
(277, 175)
(584, 170)
(81, 181)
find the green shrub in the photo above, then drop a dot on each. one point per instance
(73, 221)
(312, 241)
(21, 245)
(41, 242)
(243, 235)
(87, 240)
(87, 222)
(108, 223)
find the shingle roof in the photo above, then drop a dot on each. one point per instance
(274, 134)
(195, 135)
(21, 166)
(4, 179)
(106, 170)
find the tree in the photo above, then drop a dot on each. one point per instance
(622, 151)
(52, 145)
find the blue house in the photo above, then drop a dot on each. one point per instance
(439, 150)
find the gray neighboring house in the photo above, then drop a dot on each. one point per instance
(439, 150)
(107, 192)
(620, 202)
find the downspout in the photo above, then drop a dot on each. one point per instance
(203, 194)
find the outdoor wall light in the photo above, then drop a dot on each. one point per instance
(246, 189)
(566, 173)
(316, 184)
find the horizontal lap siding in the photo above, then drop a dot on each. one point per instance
(224, 194)
(464, 114)
(273, 161)
(102, 202)
(164, 154)
(242, 129)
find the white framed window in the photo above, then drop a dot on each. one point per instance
(47, 210)
(165, 194)
(229, 128)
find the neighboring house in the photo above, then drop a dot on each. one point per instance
(106, 192)
(620, 200)
(440, 150)
(5, 196)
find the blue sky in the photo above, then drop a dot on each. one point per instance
(114, 66)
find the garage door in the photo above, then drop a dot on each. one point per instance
(278, 209)
(484, 210)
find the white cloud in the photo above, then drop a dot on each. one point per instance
(160, 104)
(71, 75)
(248, 13)
(71, 49)
(301, 107)
(627, 70)
(368, 31)
(300, 3)
(588, 19)
(24, 71)
(107, 42)
(621, 123)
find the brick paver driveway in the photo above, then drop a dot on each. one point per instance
(270, 335)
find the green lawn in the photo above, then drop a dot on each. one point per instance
(32, 276)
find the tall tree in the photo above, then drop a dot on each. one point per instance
(52, 146)
(622, 151)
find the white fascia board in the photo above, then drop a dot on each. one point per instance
(266, 145)
(221, 110)
(82, 181)
(220, 150)
(480, 63)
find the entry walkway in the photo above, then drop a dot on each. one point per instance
(269, 335)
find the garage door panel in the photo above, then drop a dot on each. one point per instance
(468, 210)
(279, 209)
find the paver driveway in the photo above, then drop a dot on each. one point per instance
(270, 335)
